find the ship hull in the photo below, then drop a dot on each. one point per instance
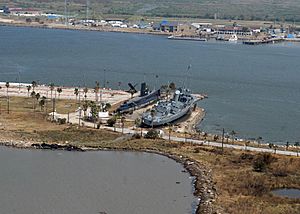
(139, 103)
(167, 120)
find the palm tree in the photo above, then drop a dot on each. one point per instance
(85, 107)
(271, 145)
(94, 111)
(118, 117)
(297, 144)
(28, 89)
(76, 92)
(42, 103)
(223, 133)
(96, 90)
(275, 148)
(287, 145)
(123, 122)
(85, 91)
(185, 133)
(34, 85)
(227, 138)
(259, 139)
(51, 86)
(233, 133)
(33, 97)
(138, 122)
(247, 144)
(37, 96)
(59, 90)
(7, 86)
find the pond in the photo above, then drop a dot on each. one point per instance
(289, 193)
(36, 181)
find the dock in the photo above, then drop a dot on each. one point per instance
(292, 39)
(188, 38)
(263, 41)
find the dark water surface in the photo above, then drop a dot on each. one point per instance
(254, 90)
(290, 193)
(52, 182)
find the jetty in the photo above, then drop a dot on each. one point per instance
(188, 38)
(263, 41)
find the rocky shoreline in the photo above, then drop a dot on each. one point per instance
(204, 188)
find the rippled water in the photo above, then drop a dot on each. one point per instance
(55, 182)
(253, 90)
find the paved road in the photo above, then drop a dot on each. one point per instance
(232, 146)
(74, 120)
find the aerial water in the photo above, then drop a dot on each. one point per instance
(51, 182)
(253, 90)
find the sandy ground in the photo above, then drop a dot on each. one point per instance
(108, 95)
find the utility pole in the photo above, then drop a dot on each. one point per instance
(46, 104)
(19, 81)
(53, 108)
(7, 104)
(223, 139)
(79, 115)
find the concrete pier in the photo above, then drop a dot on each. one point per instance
(266, 41)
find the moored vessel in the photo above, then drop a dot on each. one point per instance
(166, 112)
(146, 97)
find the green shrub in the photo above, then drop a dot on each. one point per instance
(111, 121)
(136, 136)
(61, 121)
(262, 161)
(152, 134)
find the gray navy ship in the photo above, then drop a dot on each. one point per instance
(166, 112)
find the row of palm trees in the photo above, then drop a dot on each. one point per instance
(95, 108)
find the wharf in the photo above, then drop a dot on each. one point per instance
(264, 41)
(187, 38)
(292, 39)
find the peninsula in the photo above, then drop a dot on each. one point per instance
(227, 180)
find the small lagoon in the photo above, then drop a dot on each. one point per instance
(51, 182)
(289, 193)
